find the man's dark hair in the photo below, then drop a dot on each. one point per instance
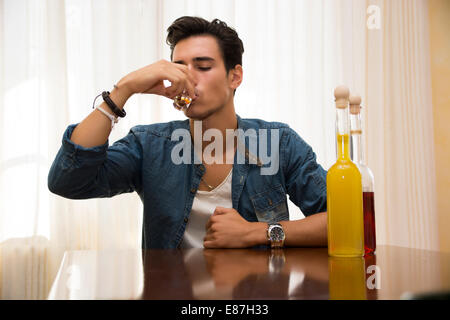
(230, 44)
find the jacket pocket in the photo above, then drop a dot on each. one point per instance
(270, 205)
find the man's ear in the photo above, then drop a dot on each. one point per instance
(235, 76)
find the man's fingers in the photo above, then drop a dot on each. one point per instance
(221, 210)
(210, 242)
(211, 225)
(189, 81)
(177, 83)
(189, 85)
(208, 224)
(209, 238)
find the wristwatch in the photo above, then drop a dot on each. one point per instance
(275, 234)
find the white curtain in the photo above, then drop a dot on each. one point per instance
(399, 123)
(56, 56)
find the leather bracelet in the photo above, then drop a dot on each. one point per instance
(112, 105)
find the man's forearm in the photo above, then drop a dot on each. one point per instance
(94, 130)
(308, 232)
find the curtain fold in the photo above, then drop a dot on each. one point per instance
(56, 56)
(399, 126)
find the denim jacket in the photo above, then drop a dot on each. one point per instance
(143, 162)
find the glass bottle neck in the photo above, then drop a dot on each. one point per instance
(342, 134)
(356, 149)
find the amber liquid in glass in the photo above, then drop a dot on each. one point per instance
(369, 223)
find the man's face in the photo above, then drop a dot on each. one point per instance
(213, 86)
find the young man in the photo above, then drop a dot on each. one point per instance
(193, 204)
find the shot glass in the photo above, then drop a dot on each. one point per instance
(182, 102)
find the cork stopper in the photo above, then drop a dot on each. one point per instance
(355, 104)
(341, 94)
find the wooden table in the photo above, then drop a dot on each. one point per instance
(290, 273)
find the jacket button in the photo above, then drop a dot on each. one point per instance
(193, 190)
(186, 220)
(270, 202)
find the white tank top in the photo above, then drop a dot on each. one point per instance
(205, 202)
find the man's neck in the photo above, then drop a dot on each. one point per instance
(221, 120)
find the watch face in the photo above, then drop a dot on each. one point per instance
(276, 233)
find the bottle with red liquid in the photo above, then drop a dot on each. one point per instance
(357, 155)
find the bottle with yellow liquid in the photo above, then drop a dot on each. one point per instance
(344, 190)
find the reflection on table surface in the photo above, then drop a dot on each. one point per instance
(291, 273)
(235, 274)
(38, 272)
